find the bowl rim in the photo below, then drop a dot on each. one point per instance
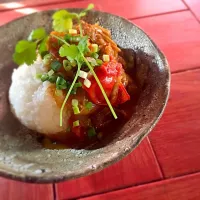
(55, 179)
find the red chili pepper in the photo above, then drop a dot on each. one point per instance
(109, 75)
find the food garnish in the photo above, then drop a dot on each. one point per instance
(84, 71)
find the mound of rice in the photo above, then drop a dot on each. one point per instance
(31, 103)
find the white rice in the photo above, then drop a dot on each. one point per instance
(31, 103)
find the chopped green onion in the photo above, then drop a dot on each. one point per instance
(38, 76)
(91, 132)
(106, 58)
(95, 55)
(77, 85)
(56, 65)
(88, 105)
(50, 73)
(74, 102)
(76, 110)
(47, 59)
(53, 78)
(66, 65)
(44, 77)
(76, 123)
(87, 83)
(99, 62)
(61, 83)
(70, 38)
(95, 48)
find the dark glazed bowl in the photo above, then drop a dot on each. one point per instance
(23, 158)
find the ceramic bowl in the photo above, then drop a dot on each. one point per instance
(23, 158)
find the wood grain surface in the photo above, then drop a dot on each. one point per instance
(182, 188)
(177, 35)
(128, 8)
(176, 139)
(139, 167)
(14, 190)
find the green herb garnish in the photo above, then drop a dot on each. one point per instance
(44, 77)
(76, 123)
(56, 65)
(61, 83)
(37, 34)
(77, 53)
(25, 52)
(91, 132)
(88, 105)
(62, 19)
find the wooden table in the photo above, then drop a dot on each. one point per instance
(166, 166)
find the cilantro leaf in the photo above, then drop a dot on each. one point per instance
(83, 45)
(25, 52)
(37, 34)
(70, 52)
(21, 46)
(43, 47)
(84, 12)
(62, 20)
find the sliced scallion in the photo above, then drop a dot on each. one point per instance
(74, 102)
(88, 105)
(61, 83)
(50, 73)
(76, 123)
(47, 59)
(56, 65)
(44, 77)
(76, 110)
(53, 78)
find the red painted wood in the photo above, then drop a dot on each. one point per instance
(131, 8)
(135, 8)
(183, 188)
(13, 190)
(8, 5)
(176, 139)
(178, 36)
(139, 167)
(194, 5)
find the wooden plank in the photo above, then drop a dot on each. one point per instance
(182, 188)
(131, 9)
(177, 35)
(176, 139)
(194, 5)
(141, 8)
(139, 167)
(14, 190)
(10, 5)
